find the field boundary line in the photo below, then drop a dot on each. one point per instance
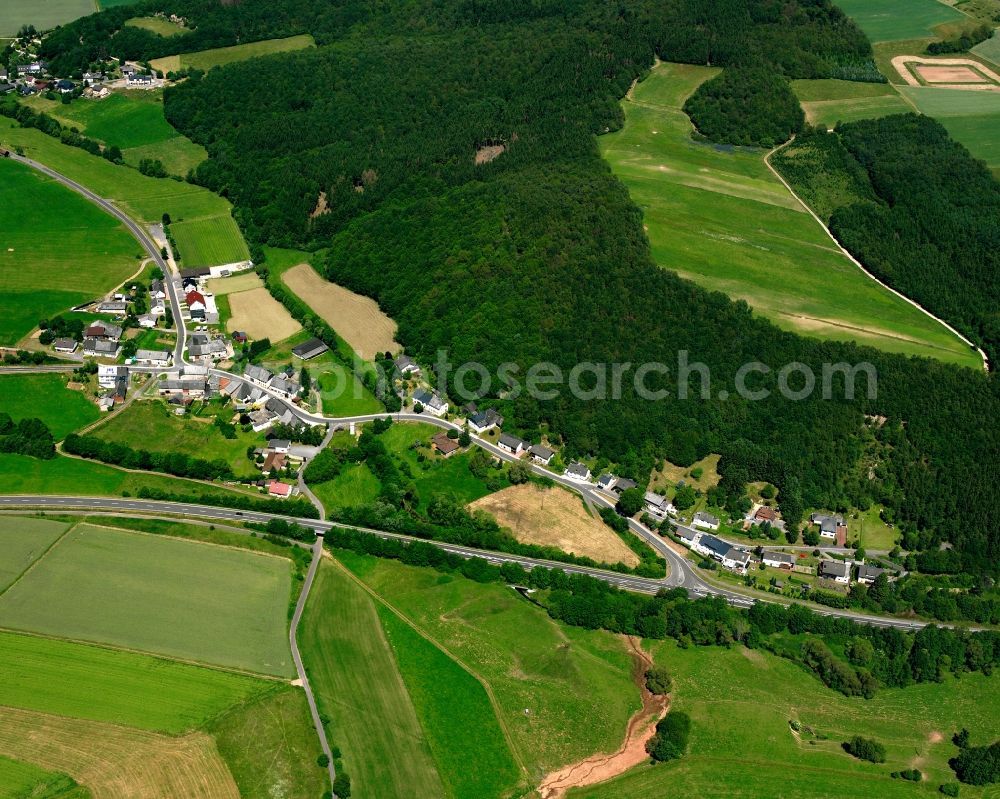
(444, 650)
(72, 526)
(146, 653)
(859, 265)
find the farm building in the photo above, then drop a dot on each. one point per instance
(309, 349)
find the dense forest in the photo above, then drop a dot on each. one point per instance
(916, 209)
(539, 254)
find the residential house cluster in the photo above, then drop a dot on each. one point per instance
(732, 558)
(101, 340)
(193, 383)
(278, 454)
(764, 514)
(841, 571)
(207, 349)
(115, 379)
(281, 383)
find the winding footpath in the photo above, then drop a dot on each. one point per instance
(859, 265)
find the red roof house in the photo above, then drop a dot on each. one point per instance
(278, 489)
(195, 300)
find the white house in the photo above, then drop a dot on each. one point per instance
(116, 307)
(829, 525)
(778, 560)
(706, 521)
(406, 365)
(257, 375)
(481, 421)
(736, 559)
(107, 376)
(153, 357)
(868, 574)
(431, 402)
(836, 570)
(658, 505)
(511, 444)
(147, 320)
(540, 454)
(577, 471)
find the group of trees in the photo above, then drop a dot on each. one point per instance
(26, 437)
(962, 43)
(976, 765)
(311, 435)
(671, 739)
(865, 749)
(60, 327)
(542, 251)
(177, 463)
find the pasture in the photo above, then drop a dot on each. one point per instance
(209, 241)
(358, 686)
(206, 59)
(270, 747)
(117, 761)
(178, 598)
(45, 397)
(21, 780)
(158, 25)
(44, 271)
(827, 102)
(575, 684)
(356, 319)
(890, 20)
(23, 541)
(970, 117)
(132, 120)
(62, 678)
(43, 14)
(555, 517)
(258, 314)
(243, 281)
(738, 718)
(990, 50)
(717, 216)
(194, 434)
(354, 486)
(144, 198)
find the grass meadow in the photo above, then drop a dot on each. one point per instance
(158, 25)
(354, 486)
(971, 118)
(19, 780)
(64, 678)
(990, 50)
(144, 198)
(209, 241)
(890, 20)
(359, 688)
(742, 745)
(717, 216)
(193, 434)
(574, 684)
(270, 746)
(132, 120)
(177, 598)
(45, 396)
(22, 542)
(43, 14)
(56, 250)
(827, 102)
(206, 59)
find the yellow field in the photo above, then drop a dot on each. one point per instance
(260, 315)
(245, 281)
(356, 319)
(554, 517)
(118, 762)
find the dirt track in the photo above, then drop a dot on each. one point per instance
(641, 727)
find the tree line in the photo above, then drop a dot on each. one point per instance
(29, 436)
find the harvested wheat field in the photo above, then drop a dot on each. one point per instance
(244, 281)
(554, 517)
(260, 315)
(356, 319)
(118, 762)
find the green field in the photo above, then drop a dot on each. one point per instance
(990, 49)
(135, 690)
(24, 781)
(354, 486)
(47, 269)
(132, 120)
(359, 687)
(206, 59)
(827, 102)
(742, 745)
(43, 14)
(144, 198)
(719, 217)
(45, 396)
(889, 20)
(576, 684)
(195, 435)
(971, 118)
(158, 25)
(172, 597)
(271, 747)
(209, 241)
(22, 542)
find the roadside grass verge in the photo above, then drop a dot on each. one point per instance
(45, 397)
(717, 216)
(177, 598)
(150, 693)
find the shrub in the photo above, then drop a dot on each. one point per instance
(865, 749)
(671, 739)
(658, 680)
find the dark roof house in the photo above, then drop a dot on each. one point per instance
(309, 349)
